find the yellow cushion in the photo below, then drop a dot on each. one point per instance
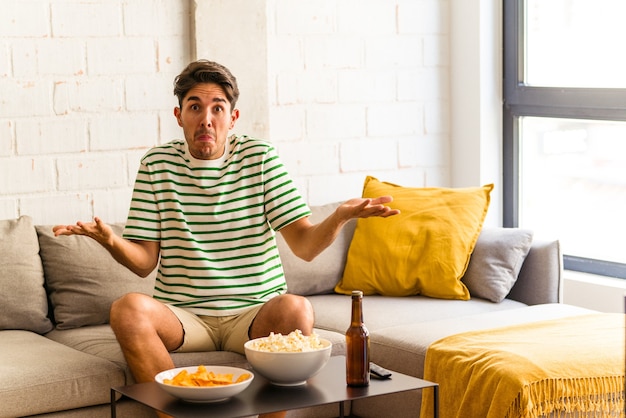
(423, 251)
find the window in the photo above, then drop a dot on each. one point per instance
(565, 127)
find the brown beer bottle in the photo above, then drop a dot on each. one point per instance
(357, 345)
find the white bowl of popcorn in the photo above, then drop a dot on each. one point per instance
(288, 360)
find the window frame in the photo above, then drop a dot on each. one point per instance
(522, 100)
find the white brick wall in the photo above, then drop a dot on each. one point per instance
(86, 89)
(6, 138)
(354, 88)
(360, 87)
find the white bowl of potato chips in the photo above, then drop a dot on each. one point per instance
(204, 383)
(288, 360)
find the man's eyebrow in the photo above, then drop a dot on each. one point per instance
(197, 99)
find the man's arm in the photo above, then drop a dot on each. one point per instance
(307, 240)
(140, 257)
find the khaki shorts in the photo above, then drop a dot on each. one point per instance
(214, 333)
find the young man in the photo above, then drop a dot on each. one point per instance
(205, 210)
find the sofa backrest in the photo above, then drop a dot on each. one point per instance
(23, 303)
(83, 280)
(541, 278)
(322, 274)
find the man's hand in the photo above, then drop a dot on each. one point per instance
(307, 241)
(97, 230)
(141, 257)
(366, 208)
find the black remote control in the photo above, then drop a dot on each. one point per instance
(378, 372)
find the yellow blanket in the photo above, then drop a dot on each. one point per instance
(574, 364)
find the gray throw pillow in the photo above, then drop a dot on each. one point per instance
(23, 302)
(83, 279)
(496, 262)
(322, 274)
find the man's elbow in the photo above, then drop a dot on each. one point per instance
(307, 255)
(142, 271)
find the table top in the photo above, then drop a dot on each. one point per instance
(328, 386)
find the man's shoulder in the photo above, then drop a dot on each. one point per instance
(167, 151)
(246, 141)
(246, 147)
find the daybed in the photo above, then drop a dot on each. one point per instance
(59, 358)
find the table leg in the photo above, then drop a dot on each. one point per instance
(113, 404)
(341, 411)
(436, 400)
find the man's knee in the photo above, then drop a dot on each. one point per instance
(128, 301)
(293, 299)
(303, 306)
(292, 305)
(283, 314)
(128, 306)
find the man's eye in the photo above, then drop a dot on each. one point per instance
(195, 107)
(218, 108)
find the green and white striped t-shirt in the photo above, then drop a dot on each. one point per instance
(215, 221)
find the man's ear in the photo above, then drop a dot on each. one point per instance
(234, 115)
(177, 115)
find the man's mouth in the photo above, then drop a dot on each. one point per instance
(205, 136)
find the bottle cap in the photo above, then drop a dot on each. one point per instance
(358, 293)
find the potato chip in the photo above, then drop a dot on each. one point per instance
(204, 378)
(243, 377)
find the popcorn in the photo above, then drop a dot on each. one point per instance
(295, 342)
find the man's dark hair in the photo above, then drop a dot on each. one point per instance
(204, 71)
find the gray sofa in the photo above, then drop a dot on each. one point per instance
(59, 357)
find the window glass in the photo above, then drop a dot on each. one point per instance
(573, 184)
(575, 43)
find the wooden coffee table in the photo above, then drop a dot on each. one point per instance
(328, 386)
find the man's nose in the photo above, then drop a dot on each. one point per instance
(206, 119)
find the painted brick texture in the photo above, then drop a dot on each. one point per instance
(86, 90)
(354, 88)
(364, 88)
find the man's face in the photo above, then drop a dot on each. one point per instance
(206, 118)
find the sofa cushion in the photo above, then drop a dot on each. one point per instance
(407, 353)
(332, 312)
(322, 274)
(23, 302)
(40, 375)
(496, 262)
(83, 279)
(423, 250)
(100, 341)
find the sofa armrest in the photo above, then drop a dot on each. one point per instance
(540, 279)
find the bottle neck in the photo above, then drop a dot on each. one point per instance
(357, 311)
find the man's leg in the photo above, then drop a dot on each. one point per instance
(283, 314)
(146, 330)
